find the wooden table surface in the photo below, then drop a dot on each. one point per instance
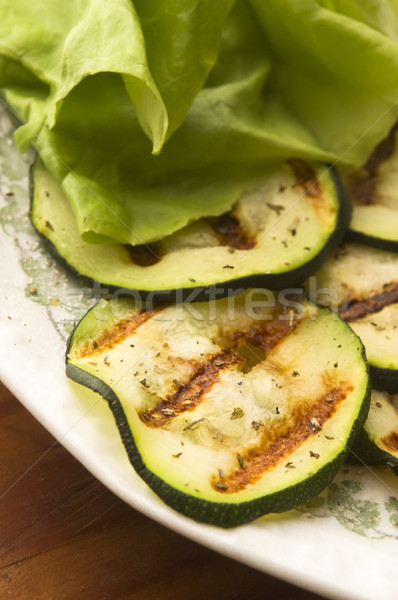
(64, 536)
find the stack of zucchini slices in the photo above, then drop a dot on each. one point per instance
(235, 394)
(360, 281)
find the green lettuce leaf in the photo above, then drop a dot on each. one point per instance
(336, 68)
(155, 113)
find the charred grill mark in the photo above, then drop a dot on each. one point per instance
(363, 191)
(390, 441)
(278, 447)
(144, 255)
(362, 188)
(354, 309)
(189, 394)
(306, 178)
(263, 334)
(118, 332)
(267, 334)
(382, 152)
(230, 232)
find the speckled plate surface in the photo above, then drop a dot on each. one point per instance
(344, 544)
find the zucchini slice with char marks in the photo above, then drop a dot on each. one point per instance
(377, 444)
(228, 410)
(276, 235)
(373, 191)
(361, 283)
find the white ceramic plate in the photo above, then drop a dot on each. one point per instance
(343, 545)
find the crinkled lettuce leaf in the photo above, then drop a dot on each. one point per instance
(155, 113)
(61, 43)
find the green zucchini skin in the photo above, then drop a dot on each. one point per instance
(384, 379)
(195, 291)
(371, 447)
(221, 514)
(358, 237)
(366, 452)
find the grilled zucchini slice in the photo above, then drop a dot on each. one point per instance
(361, 283)
(373, 191)
(378, 442)
(228, 410)
(276, 235)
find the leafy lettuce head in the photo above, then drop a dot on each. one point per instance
(155, 113)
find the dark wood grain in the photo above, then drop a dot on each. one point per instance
(64, 536)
